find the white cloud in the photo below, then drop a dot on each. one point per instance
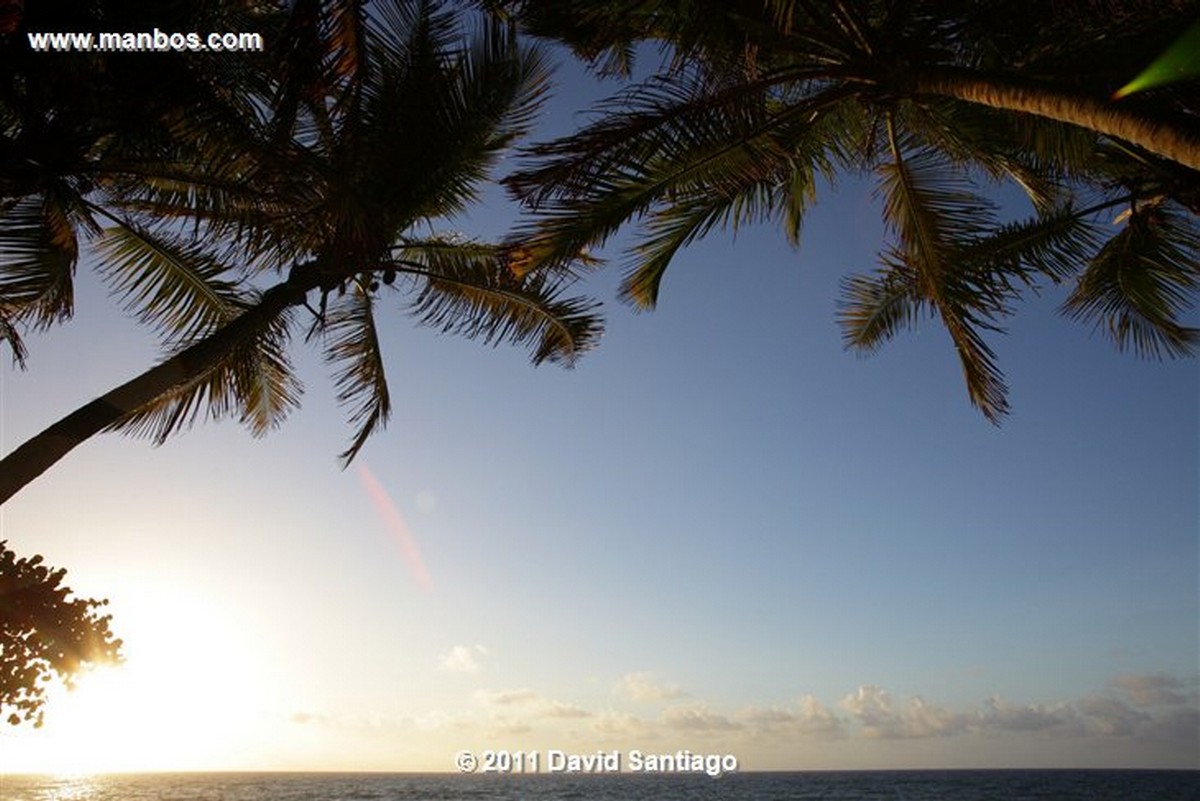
(623, 725)
(559, 709)
(698, 719)
(872, 707)
(507, 697)
(1152, 689)
(642, 687)
(531, 703)
(1060, 717)
(816, 719)
(463, 658)
(1122, 715)
(503, 728)
(767, 718)
(810, 720)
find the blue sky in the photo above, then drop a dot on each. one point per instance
(720, 532)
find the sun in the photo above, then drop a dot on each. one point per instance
(192, 694)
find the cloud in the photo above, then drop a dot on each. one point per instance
(879, 716)
(463, 658)
(436, 720)
(1181, 726)
(623, 725)
(1111, 715)
(1152, 689)
(507, 697)
(1137, 712)
(816, 719)
(811, 720)
(533, 703)
(872, 707)
(1058, 718)
(698, 719)
(559, 709)
(642, 687)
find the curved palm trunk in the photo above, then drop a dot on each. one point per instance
(41, 451)
(1168, 139)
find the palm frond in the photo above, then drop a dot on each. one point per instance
(680, 147)
(176, 286)
(253, 381)
(346, 39)
(472, 289)
(1143, 280)
(38, 251)
(352, 347)
(685, 220)
(970, 134)
(932, 213)
(266, 387)
(10, 334)
(460, 107)
(930, 207)
(985, 383)
(873, 308)
(681, 120)
(223, 177)
(1056, 244)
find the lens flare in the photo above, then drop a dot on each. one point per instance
(395, 521)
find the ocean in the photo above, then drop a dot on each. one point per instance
(916, 785)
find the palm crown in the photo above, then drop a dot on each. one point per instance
(761, 101)
(380, 125)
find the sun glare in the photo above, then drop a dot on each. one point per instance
(190, 695)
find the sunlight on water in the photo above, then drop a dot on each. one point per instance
(71, 787)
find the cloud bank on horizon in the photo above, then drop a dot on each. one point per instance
(1151, 712)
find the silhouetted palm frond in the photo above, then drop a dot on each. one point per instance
(476, 290)
(1142, 282)
(252, 382)
(352, 347)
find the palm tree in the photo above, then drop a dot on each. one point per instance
(72, 123)
(383, 123)
(762, 100)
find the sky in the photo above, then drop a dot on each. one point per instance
(719, 532)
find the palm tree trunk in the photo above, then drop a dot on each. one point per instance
(1170, 139)
(41, 451)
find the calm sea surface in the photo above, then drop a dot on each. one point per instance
(1050, 785)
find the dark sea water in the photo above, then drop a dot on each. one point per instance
(1004, 785)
